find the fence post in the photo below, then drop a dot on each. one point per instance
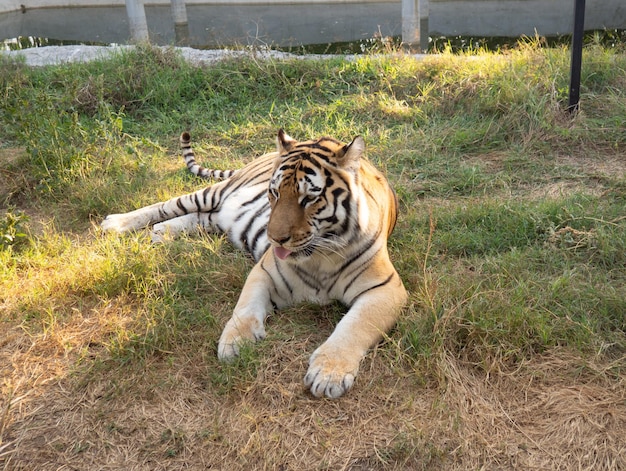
(181, 26)
(411, 24)
(577, 53)
(137, 21)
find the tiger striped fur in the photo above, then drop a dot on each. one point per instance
(194, 167)
(315, 216)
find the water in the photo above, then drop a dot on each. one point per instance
(210, 26)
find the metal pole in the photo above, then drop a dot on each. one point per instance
(577, 53)
(137, 21)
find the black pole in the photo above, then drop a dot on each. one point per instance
(577, 54)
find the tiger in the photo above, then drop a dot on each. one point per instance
(315, 216)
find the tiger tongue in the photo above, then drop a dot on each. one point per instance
(281, 252)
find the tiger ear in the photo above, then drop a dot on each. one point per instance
(350, 160)
(284, 142)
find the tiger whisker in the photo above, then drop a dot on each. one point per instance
(328, 245)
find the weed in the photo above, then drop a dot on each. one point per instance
(12, 233)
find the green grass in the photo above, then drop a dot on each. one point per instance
(98, 139)
(511, 239)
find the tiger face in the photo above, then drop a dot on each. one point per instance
(310, 195)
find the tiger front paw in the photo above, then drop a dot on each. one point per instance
(235, 334)
(331, 372)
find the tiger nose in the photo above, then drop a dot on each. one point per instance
(281, 240)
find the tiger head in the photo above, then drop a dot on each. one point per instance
(310, 194)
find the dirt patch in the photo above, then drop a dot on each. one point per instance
(562, 189)
(15, 187)
(8, 177)
(492, 162)
(602, 162)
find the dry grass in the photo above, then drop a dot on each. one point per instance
(548, 414)
(555, 411)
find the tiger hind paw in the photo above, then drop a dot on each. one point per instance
(115, 223)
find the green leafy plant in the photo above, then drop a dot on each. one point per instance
(12, 233)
